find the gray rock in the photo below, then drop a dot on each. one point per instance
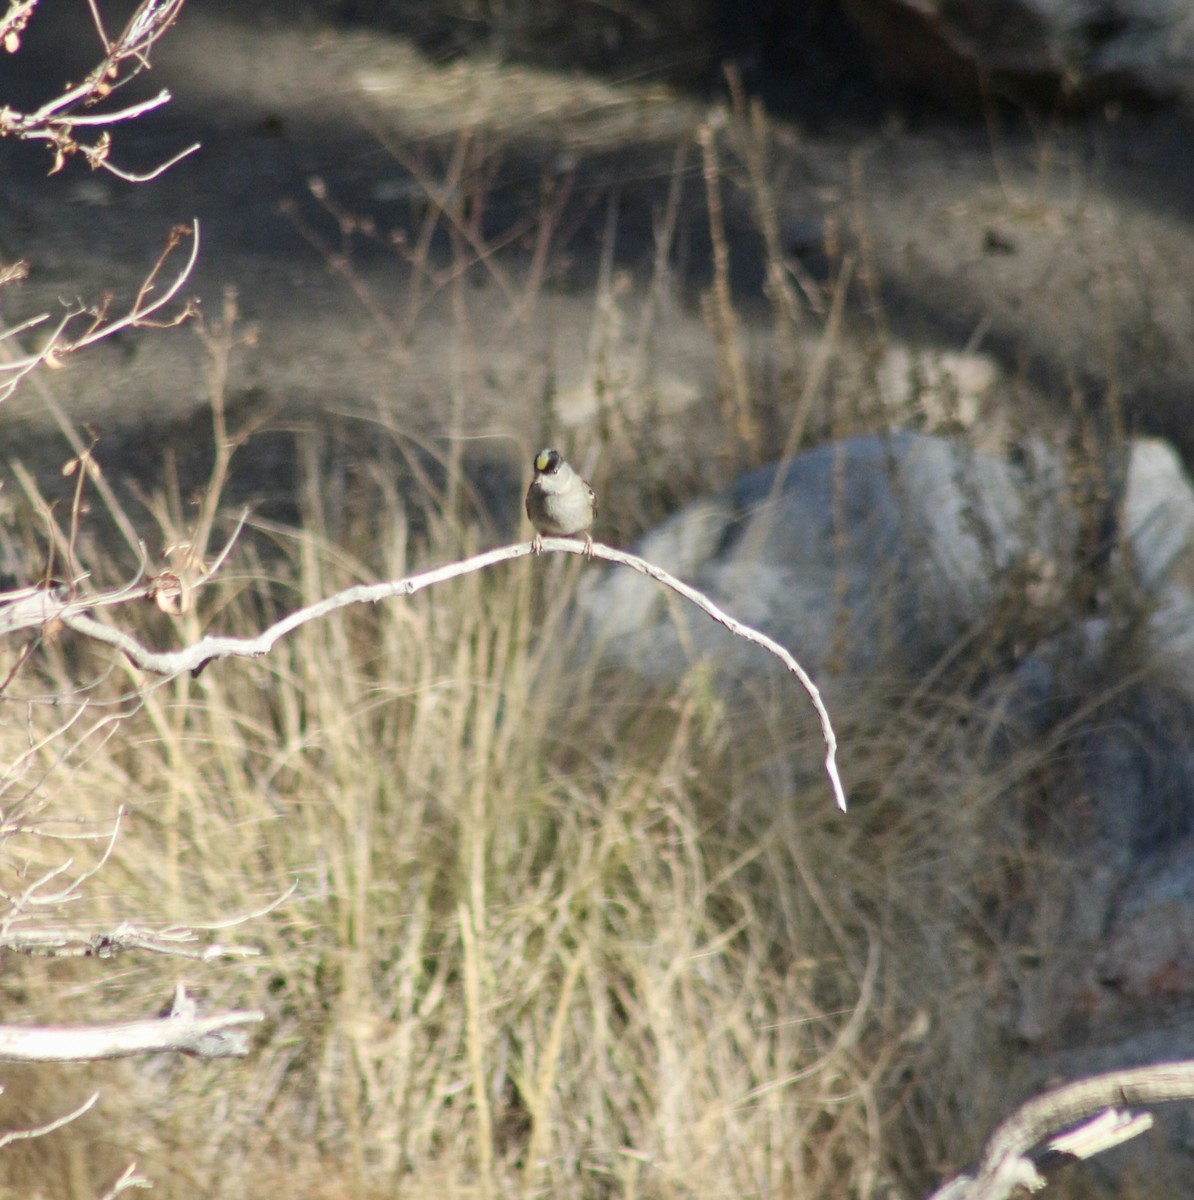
(876, 555)
(870, 556)
(1158, 523)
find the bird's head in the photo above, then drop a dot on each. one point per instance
(547, 462)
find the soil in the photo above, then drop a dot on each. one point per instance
(1062, 250)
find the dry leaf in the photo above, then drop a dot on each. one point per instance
(170, 594)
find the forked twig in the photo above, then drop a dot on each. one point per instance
(128, 1179)
(57, 346)
(125, 57)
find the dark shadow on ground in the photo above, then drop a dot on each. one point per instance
(256, 156)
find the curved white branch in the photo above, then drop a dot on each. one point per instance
(37, 609)
(160, 169)
(1010, 1159)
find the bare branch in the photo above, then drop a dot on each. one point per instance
(1011, 1160)
(57, 346)
(175, 940)
(37, 607)
(125, 58)
(161, 169)
(181, 1030)
(35, 897)
(43, 607)
(19, 1135)
(125, 114)
(107, 943)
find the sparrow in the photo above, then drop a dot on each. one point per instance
(559, 503)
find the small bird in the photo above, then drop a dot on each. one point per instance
(559, 502)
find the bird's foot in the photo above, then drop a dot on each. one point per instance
(537, 544)
(588, 545)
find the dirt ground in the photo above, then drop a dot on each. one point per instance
(1063, 251)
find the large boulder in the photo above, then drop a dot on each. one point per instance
(878, 553)
(873, 555)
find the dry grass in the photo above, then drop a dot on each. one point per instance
(533, 950)
(554, 934)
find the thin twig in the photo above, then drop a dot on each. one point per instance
(131, 177)
(123, 114)
(57, 346)
(128, 1179)
(101, 32)
(18, 1135)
